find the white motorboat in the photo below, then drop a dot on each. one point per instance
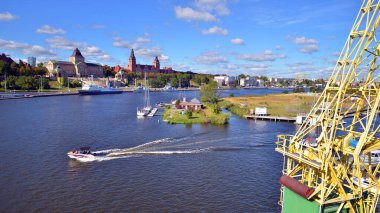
(168, 88)
(84, 154)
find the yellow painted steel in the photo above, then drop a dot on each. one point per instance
(346, 125)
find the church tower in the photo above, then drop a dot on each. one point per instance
(156, 64)
(132, 62)
(76, 57)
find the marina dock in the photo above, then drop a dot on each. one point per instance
(270, 118)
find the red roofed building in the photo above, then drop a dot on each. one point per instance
(154, 68)
(117, 69)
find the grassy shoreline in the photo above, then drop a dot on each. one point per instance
(204, 116)
(286, 105)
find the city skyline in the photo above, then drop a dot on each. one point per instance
(273, 38)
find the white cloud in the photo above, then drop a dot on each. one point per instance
(119, 42)
(142, 40)
(305, 45)
(237, 41)
(89, 51)
(210, 58)
(26, 49)
(215, 30)
(302, 40)
(278, 47)
(163, 57)
(46, 29)
(309, 48)
(98, 26)
(7, 16)
(219, 6)
(190, 14)
(300, 63)
(149, 53)
(267, 55)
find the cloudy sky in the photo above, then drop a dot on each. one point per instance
(257, 37)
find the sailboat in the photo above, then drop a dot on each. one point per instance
(147, 107)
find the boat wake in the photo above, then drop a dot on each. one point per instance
(166, 146)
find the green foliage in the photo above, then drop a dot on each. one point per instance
(298, 90)
(285, 92)
(157, 83)
(188, 113)
(4, 68)
(174, 82)
(75, 83)
(316, 89)
(235, 109)
(208, 92)
(107, 71)
(219, 119)
(11, 82)
(232, 95)
(27, 83)
(216, 109)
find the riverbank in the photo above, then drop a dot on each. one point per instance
(204, 116)
(286, 105)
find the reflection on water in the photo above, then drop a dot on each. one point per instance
(167, 167)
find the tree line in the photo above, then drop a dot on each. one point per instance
(23, 76)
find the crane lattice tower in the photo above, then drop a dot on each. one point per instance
(331, 163)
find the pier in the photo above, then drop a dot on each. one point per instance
(270, 118)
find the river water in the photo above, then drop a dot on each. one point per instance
(196, 168)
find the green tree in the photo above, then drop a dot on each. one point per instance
(208, 92)
(216, 109)
(174, 82)
(27, 83)
(188, 113)
(40, 70)
(5, 69)
(107, 71)
(11, 82)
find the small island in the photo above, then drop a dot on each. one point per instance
(195, 111)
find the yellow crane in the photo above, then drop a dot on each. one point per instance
(332, 163)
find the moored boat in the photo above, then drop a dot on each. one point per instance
(93, 89)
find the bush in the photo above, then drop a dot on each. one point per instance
(232, 95)
(75, 83)
(188, 113)
(27, 83)
(285, 92)
(219, 119)
(216, 109)
(237, 110)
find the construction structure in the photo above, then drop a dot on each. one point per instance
(331, 164)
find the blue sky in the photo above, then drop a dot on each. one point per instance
(255, 37)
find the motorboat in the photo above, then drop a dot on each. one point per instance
(168, 88)
(138, 89)
(84, 154)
